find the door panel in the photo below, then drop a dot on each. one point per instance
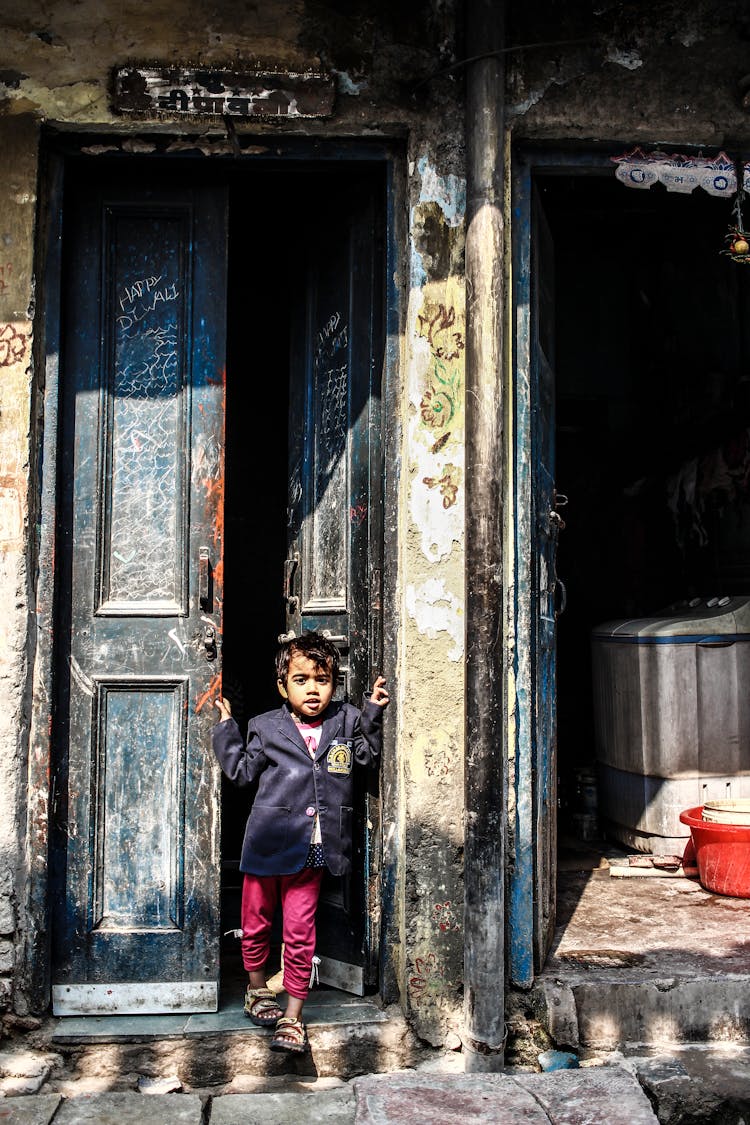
(535, 530)
(334, 522)
(139, 615)
(545, 525)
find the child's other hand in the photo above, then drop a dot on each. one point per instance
(379, 695)
(224, 708)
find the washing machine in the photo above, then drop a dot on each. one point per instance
(671, 717)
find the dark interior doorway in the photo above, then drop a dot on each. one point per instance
(262, 237)
(652, 384)
(276, 215)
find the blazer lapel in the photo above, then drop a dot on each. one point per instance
(331, 727)
(288, 729)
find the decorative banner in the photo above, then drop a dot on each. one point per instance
(154, 92)
(678, 172)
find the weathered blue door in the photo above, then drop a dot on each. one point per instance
(545, 530)
(136, 923)
(535, 587)
(332, 576)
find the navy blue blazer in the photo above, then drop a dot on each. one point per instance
(293, 786)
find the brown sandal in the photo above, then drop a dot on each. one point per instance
(290, 1035)
(262, 1007)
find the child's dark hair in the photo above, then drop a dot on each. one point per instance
(315, 647)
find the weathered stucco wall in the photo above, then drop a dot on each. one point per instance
(431, 675)
(55, 68)
(55, 61)
(654, 73)
(18, 142)
(660, 73)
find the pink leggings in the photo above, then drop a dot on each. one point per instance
(299, 900)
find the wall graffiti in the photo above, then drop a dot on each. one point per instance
(12, 345)
(143, 297)
(443, 916)
(437, 324)
(428, 976)
(447, 483)
(358, 514)
(332, 388)
(145, 486)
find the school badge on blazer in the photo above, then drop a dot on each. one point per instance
(339, 758)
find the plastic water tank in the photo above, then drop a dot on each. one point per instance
(672, 717)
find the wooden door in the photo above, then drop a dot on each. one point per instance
(536, 525)
(136, 923)
(332, 579)
(546, 524)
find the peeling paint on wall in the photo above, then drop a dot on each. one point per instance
(436, 610)
(436, 426)
(436, 383)
(448, 191)
(631, 60)
(14, 350)
(435, 771)
(433, 574)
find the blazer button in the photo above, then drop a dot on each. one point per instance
(309, 811)
(316, 767)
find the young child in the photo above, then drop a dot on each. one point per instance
(302, 756)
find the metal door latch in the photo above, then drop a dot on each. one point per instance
(290, 566)
(205, 584)
(559, 500)
(339, 639)
(562, 602)
(209, 642)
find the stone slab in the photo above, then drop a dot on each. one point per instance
(670, 1010)
(592, 1095)
(647, 927)
(283, 1109)
(700, 1082)
(116, 1029)
(324, 1008)
(234, 1018)
(645, 961)
(131, 1109)
(307, 1084)
(574, 1097)
(37, 1110)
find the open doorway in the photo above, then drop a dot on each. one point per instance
(302, 440)
(631, 430)
(652, 412)
(649, 351)
(221, 366)
(260, 269)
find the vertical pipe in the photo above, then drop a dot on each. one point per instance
(484, 978)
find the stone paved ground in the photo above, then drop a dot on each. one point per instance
(591, 1096)
(706, 1083)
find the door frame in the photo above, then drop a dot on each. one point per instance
(35, 978)
(532, 765)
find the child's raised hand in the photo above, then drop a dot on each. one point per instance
(224, 708)
(379, 695)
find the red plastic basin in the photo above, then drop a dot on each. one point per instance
(722, 853)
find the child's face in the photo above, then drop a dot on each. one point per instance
(308, 686)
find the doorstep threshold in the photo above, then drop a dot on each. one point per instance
(325, 1008)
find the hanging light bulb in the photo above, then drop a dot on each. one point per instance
(737, 237)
